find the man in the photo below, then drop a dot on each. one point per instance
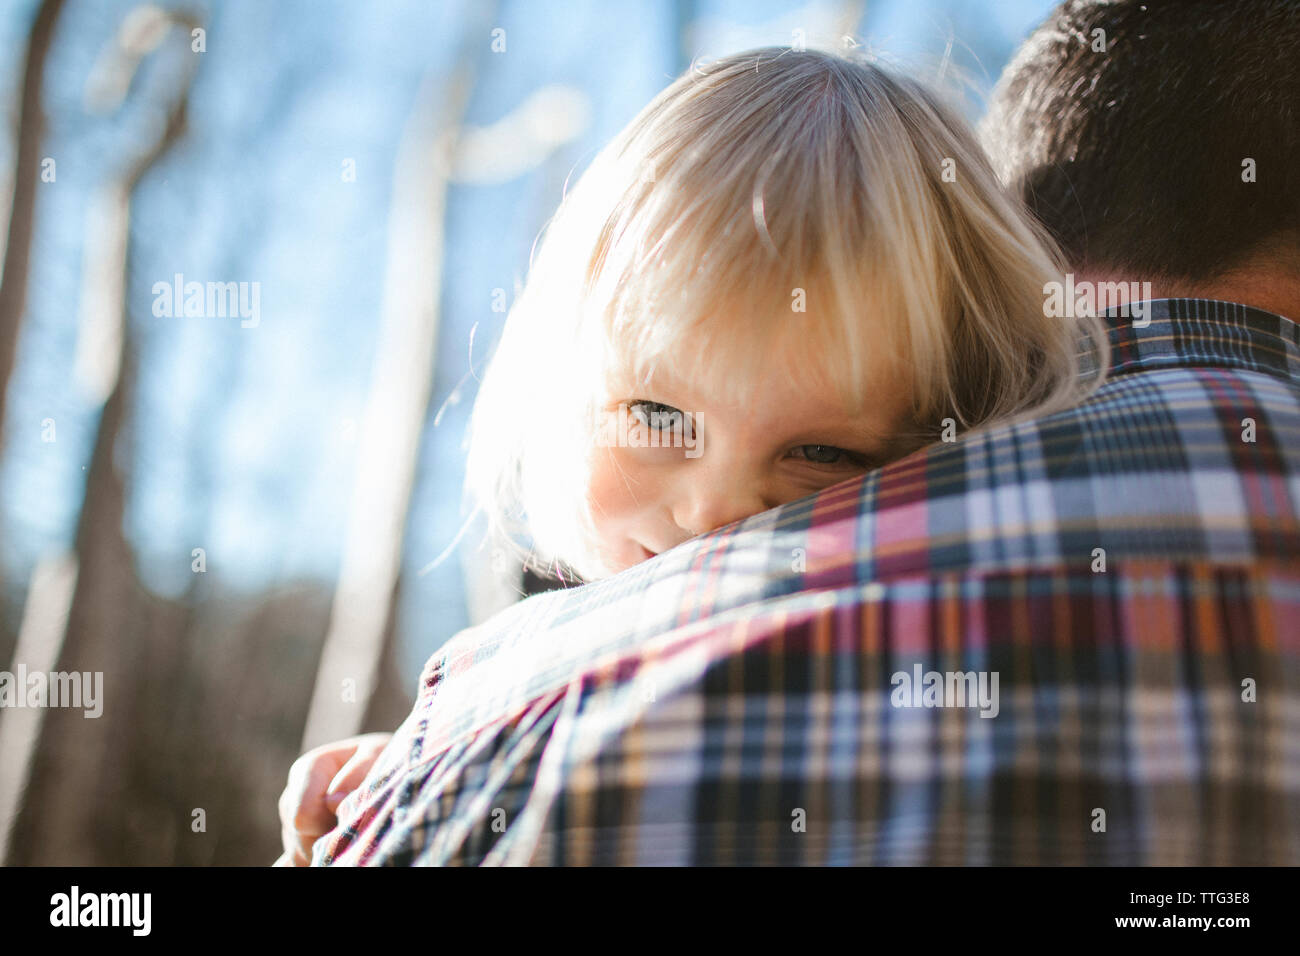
(1159, 141)
(1073, 640)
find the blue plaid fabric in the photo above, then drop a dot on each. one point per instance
(1074, 640)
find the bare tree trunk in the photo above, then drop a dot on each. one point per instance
(58, 823)
(360, 622)
(44, 622)
(22, 214)
(392, 699)
(79, 788)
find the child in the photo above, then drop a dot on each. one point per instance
(790, 268)
(803, 266)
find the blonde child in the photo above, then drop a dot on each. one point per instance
(790, 268)
(807, 257)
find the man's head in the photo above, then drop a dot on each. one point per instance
(1161, 140)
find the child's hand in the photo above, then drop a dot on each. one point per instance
(318, 782)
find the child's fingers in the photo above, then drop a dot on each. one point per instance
(304, 813)
(302, 803)
(352, 773)
(307, 810)
(297, 847)
(297, 842)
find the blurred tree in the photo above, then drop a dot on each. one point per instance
(57, 823)
(358, 652)
(22, 215)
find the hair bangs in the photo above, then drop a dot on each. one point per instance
(729, 255)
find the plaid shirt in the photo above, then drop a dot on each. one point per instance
(1129, 570)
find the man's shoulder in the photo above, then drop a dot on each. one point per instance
(1177, 480)
(1164, 462)
(1158, 464)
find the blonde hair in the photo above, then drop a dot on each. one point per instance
(747, 180)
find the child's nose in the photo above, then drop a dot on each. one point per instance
(706, 507)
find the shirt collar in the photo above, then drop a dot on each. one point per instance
(1200, 332)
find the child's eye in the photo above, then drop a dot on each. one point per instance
(830, 455)
(656, 415)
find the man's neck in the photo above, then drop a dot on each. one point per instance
(1272, 291)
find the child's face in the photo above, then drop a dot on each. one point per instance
(723, 462)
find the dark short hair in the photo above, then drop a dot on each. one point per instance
(1133, 157)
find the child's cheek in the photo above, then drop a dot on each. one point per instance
(607, 489)
(617, 501)
(615, 490)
